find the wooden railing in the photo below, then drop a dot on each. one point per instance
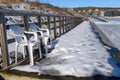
(61, 25)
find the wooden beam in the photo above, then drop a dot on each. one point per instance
(62, 21)
(4, 43)
(48, 22)
(60, 24)
(26, 25)
(11, 40)
(54, 18)
(39, 21)
(25, 21)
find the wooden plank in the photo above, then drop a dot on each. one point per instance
(39, 21)
(48, 23)
(23, 61)
(54, 18)
(11, 40)
(4, 43)
(26, 24)
(70, 23)
(18, 13)
(63, 24)
(60, 26)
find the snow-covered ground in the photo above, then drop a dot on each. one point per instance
(111, 30)
(77, 53)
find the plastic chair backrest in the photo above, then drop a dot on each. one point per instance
(33, 27)
(43, 32)
(18, 30)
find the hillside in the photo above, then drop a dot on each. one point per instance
(36, 7)
(83, 10)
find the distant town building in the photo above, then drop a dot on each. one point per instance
(112, 13)
(96, 10)
(102, 13)
(84, 11)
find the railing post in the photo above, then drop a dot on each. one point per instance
(60, 26)
(70, 23)
(54, 18)
(25, 22)
(48, 23)
(39, 21)
(26, 26)
(65, 24)
(3, 41)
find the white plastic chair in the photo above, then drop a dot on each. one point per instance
(25, 42)
(46, 37)
(44, 34)
(18, 44)
(31, 44)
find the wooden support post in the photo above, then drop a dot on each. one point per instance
(26, 24)
(39, 21)
(60, 25)
(48, 23)
(54, 17)
(63, 24)
(26, 27)
(69, 23)
(72, 22)
(3, 41)
(68, 26)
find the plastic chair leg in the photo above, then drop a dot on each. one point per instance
(45, 45)
(51, 42)
(16, 52)
(31, 55)
(23, 48)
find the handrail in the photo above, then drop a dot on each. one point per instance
(22, 13)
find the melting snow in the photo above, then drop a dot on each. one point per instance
(78, 53)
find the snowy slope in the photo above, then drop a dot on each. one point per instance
(78, 53)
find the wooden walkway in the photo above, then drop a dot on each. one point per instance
(60, 25)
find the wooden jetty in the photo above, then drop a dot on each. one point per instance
(66, 23)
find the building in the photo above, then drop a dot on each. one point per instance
(112, 13)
